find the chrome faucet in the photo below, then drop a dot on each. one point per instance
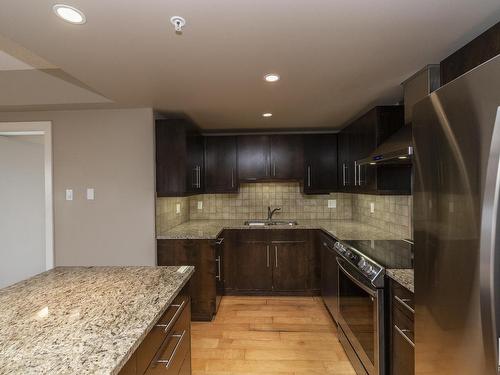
(270, 212)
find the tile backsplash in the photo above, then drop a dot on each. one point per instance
(253, 200)
(391, 213)
(166, 212)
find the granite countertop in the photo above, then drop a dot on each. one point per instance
(341, 229)
(403, 277)
(82, 320)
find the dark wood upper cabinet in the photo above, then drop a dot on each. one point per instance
(270, 157)
(253, 157)
(179, 158)
(320, 163)
(287, 157)
(484, 47)
(358, 140)
(221, 165)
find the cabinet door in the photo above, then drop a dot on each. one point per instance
(252, 268)
(253, 157)
(254, 272)
(287, 158)
(290, 265)
(320, 157)
(345, 171)
(170, 158)
(221, 174)
(194, 163)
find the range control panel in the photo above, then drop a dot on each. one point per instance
(370, 269)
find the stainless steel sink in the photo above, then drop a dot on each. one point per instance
(270, 222)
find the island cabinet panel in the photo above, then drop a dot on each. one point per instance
(270, 261)
(253, 157)
(203, 285)
(320, 163)
(401, 327)
(221, 165)
(166, 349)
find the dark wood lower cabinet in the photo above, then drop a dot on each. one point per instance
(166, 349)
(401, 328)
(270, 261)
(203, 286)
(253, 266)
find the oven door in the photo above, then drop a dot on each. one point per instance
(360, 310)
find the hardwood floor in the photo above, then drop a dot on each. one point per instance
(268, 335)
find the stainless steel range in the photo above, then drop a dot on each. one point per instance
(357, 305)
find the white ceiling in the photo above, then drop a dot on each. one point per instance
(336, 58)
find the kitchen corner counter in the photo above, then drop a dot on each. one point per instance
(405, 277)
(341, 229)
(82, 320)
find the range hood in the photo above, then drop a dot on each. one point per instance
(398, 149)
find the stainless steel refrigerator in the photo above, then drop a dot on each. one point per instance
(456, 135)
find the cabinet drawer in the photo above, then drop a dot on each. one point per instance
(403, 323)
(175, 349)
(403, 300)
(161, 331)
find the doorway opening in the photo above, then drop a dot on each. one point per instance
(26, 200)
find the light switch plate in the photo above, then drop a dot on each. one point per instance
(90, 194)
(200, 205)
(69, 194)
(372, 207)
(178, 208)
(332, 203)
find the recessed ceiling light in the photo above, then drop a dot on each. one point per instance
(402, 157)
(272, 77)
(69, 14)
(267, 114)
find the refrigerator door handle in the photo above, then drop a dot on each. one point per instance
(490, 251)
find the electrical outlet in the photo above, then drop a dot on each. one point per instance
(178, 208)
(332, 203)
(90, 194)
(69, 194)
(372, 207)
(200, 205)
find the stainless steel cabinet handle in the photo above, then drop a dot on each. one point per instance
(403, 332)
(355, 174)
(174, 318)
(232, 177)
(309, 176)
(218, 276)
(268, 261)
(276, 256)
(404, 302)
(168, 361)
(274, 169)
(343, 174)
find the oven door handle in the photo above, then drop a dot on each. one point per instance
(368, 290)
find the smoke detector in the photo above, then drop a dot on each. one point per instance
(178, 23)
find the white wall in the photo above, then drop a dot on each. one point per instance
(113, 152)
(22, 208)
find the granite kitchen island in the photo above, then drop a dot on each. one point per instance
(83, 320)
